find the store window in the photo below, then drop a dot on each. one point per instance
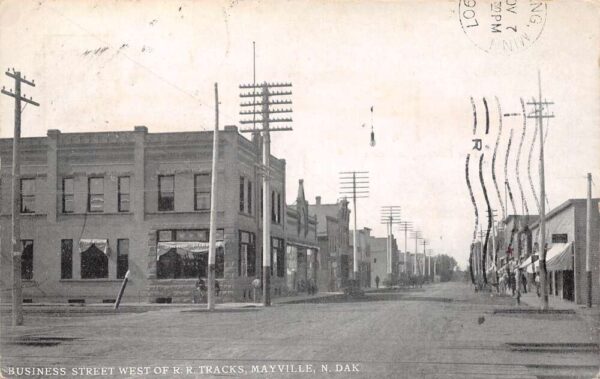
(122, 257)
(189, 259)
(27, 260)
(247, 257)
(94, 264)
(66, 259)
(277, 257)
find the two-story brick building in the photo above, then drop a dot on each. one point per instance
(94, 205)
(333, 235)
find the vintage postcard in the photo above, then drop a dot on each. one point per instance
(290, 189)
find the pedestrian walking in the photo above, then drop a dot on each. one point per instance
(524, 281)
(377, 281)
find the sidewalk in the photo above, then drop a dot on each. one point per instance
(591, 316)
(141, 307)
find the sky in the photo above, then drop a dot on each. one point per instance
(111, 65)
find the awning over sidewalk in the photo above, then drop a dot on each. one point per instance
(101, 244)
(559, 258)
(529, 263)
(184, 247)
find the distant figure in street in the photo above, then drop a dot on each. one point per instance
(536, 279)
(524, 280)
(512, 281)
(217, 288)
(377, 281)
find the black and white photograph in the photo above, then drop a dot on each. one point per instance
(300, 189)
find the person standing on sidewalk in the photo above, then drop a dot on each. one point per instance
(377, 281)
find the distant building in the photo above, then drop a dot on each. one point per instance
(332, 233)
(363, 237)
(303, 257)
(379, 259)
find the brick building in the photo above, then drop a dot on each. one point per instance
(332, 233)
(302, 248)
(363, 237)
(95, 205)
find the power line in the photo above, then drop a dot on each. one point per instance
(266, 98)
(356, 185)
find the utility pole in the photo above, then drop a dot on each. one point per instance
(417, 236)
(405, 226)
(356, 185)
(539, 114)
(390, 215)
(480, 253)
(212, 236)
(588, 240)
(424, 242)
(17, 248)
(494, 252)
(430, 251)
(266, 95)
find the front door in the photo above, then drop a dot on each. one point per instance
(568, 285)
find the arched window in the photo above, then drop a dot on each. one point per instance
(94, 264)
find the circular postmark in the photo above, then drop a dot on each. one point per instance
(502, 26)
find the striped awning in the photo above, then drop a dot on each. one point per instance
(529, 264)
(184, 247)
(559, 257)
(100, 244)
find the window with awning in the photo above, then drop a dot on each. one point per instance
(559, 257)
(183, 254)
(94, 258)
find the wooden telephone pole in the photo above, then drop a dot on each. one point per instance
(17, 249)
(265, 98)
(405, 226)
(425, 243)
(356, 185)
(212, 236)
(417, 236)
(588, 240)
(540, 113)
(390, 215)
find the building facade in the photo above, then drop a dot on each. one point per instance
(302, 248)
(332, 234)
(96, 205)
(363, 251)
(379, 260)
(566, 250)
